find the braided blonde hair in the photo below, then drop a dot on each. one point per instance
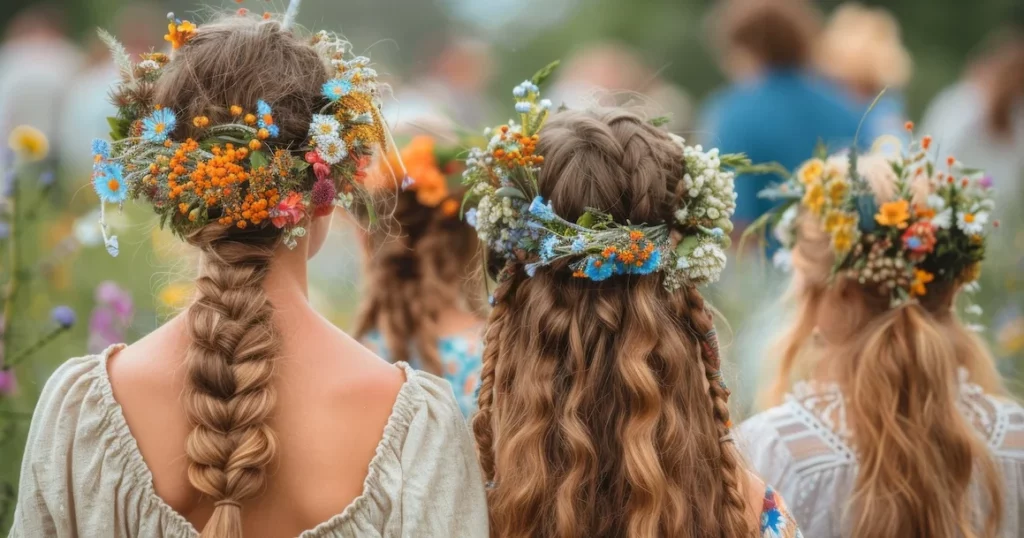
(596, 415)
(229, 394)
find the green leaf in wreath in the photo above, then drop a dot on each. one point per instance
(510, 192)
(258, 159)
(586, 220)
(541, 76)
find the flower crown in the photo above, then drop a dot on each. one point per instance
(934, 227)
(515, 222)
(229, 173)
(428, 167)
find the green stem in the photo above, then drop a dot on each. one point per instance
(51, 336)
(33, 212)
(12, 285)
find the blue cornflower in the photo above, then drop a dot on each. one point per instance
(545, 104)
(63, 316)
(109, 183)
(471, 217)
(913, 242)
(523, 107)
(101, 149)
(336, 88)
(263, 109)
(519, 91)
(274, 130)
(598, 269)
(547, 247)
(649, 266)
(158, 125)
(541, 210)
(578, 244)
(531, 269)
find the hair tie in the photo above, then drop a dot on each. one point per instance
(491, 484)
(230, 502)
(727, 438)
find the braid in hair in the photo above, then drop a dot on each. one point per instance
(230, 365)
(483, 427)
(734, 515)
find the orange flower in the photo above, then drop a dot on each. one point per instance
(926, 142)
(921, 279)
(909, 126)
(236, 110)
(450, 207)
(179, 34)
(250, 119)
(894, 214)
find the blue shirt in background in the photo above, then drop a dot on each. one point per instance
(779, 117)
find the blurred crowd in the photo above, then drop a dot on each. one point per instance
(794, 79)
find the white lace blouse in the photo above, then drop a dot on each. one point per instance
(83, 474)
(803, 448)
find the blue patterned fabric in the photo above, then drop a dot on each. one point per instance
(461, 356)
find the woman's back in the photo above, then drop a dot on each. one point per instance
(248, 414)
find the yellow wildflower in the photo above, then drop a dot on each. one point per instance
(844, 235)
(894, 214)
(921, 278)
(836, 219)
(971, 273)
(175, 295)
(814, 198)
(811, 171)
(29, 143)
(837, 190)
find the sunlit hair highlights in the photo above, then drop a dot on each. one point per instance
(421, 261)
(229, 394)
(918, 455)
(596, 416)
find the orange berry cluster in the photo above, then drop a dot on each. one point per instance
(524, 156)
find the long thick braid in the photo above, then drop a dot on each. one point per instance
(483, 428)
(229, 394)
(734, 518)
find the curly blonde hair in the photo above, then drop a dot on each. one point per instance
(596, 414)
(229, 392)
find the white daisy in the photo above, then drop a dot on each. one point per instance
(331, 149)
(324, 125)
(971, 223)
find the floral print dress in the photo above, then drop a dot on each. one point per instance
(775, 519)
(461, 359)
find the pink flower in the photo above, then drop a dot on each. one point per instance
(322, 171)
(8, 383)
(322, 197)
(288, 211)
(313, 157)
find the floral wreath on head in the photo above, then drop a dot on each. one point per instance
(428, 168)
(229, 173)
(516, 223)
(933, 229)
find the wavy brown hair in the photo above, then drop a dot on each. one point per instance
(897, 368)
(229, 393)
(421, 261)
(596, 416)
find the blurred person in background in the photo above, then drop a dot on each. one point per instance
(861, 50)
(775, 109)
(609, 73)
(37, 64)
(450, 92)
(887, 414)
(422, 297)
(85, 105)
(981, 117)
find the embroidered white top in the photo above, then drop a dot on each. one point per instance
(803, 448)
(83, 474)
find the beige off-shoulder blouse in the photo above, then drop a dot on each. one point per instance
(83, 474)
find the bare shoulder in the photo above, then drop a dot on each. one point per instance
(150, 367)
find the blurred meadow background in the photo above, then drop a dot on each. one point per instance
(451, 65)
